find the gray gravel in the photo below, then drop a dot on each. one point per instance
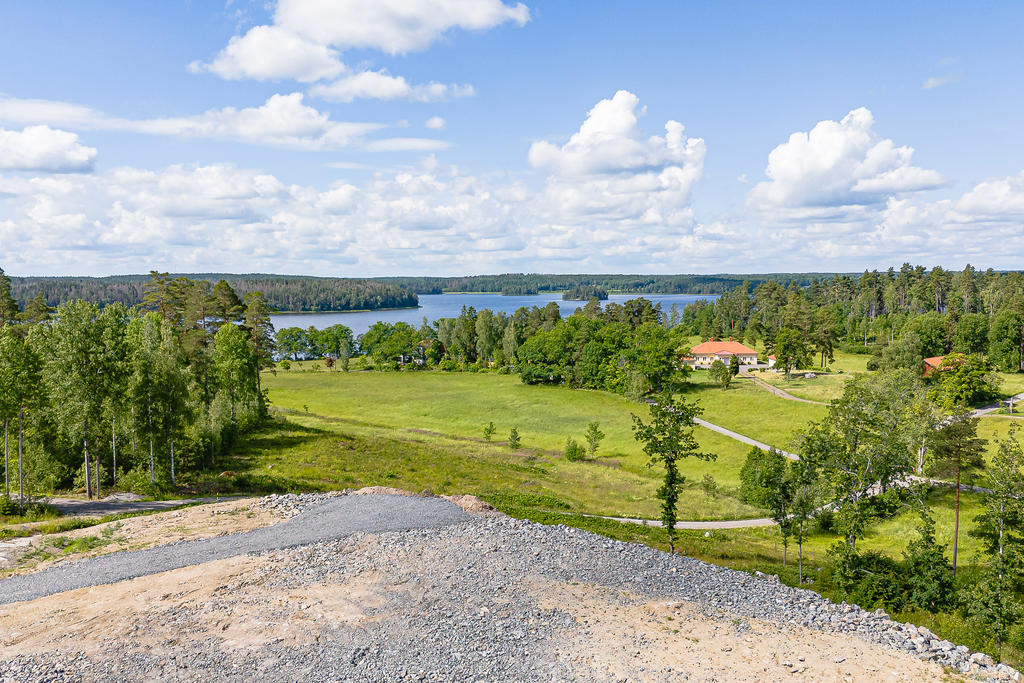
(327, 518)
(457, 604)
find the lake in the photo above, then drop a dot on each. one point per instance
(434, 306)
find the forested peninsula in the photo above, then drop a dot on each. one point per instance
(282, 292)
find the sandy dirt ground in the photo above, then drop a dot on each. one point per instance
(33, 553)
(234, 604)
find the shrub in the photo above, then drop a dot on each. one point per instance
(448, 365)
(513, 439)
(489, 430)
(709, 486)
(286, 365)
(574, 452)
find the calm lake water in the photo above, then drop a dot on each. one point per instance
(434, 306)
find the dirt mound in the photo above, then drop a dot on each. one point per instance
(388, 490)
(474, 505)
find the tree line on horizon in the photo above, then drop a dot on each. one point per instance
(282, 293)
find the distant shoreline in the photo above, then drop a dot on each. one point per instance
(348, 310)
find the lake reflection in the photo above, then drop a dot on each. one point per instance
(434, 306)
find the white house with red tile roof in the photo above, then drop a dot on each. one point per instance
(704, 354)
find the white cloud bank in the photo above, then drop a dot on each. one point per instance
(282, 121)
(613, 199)
(307, 37)
(43, 149)
(837, 170)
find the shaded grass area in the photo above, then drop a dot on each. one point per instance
(1012, 383)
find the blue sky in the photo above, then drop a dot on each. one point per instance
(381, 137)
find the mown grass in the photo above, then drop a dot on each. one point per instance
(823, 388)
(751, 411)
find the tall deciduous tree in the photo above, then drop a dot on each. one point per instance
(667, 439)
(20, 379)
(74, 373)
(235, 365)
(869, 441)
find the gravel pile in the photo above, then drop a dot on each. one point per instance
(289, 505)
(457, 608)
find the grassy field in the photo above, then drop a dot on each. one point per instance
(822, 388)
(752, 411)
(1012, 383)
(445, 415)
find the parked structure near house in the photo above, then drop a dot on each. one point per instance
(704, 354)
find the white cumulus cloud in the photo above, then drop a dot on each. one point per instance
(306, 39)
(434, 123)
(837, 169)
(381, 85)
(392, 26)
(41, 148)
(272, 53)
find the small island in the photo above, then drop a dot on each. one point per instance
(585, 293)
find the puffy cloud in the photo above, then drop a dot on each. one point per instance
(837, 170)
(608, 171)
(997, 199)
(304, 40)
(281, 121)
(272, 53)
(41, 148)
(434, 123)
(392, 26)
(381, 85)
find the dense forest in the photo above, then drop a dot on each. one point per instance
(631, 284)
(139, 395)
(900, 316)
(282, 292)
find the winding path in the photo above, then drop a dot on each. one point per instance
(779, 392)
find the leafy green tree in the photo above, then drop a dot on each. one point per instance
(574, 452)
(993, 600)
(971, 334)
(930, 328)
(734, 365)
(764, 482)
(74, 374)
(514, 441)
(489, 430)
(20, 384)
(294, 342)
(790, 349)
(720, 374)
(929, 574)
(235, 365)
(227, 307)
(868, 442)
(667, 439)
(594, 437)
(956, 449)
(1006, 340)
(904, 353)
(964, 381)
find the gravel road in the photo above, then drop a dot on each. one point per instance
(336, 518)
(389, 588)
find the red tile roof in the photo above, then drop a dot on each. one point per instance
(934, 361)
(722, 347)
